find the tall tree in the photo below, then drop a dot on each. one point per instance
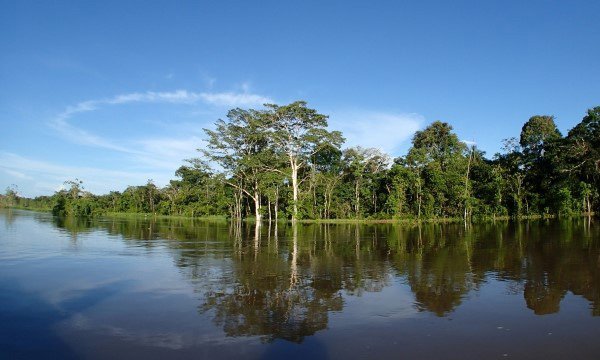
(540, 142)
(439, 143)
(583, 155)
(537, 133)
(11, 195)
(512, 168)
(299, 133)
(240, 145)
(584, 146)
(442, 159)
(363, 165)
(329, 166)
(75, 188)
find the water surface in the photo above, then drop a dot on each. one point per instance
(144, 288)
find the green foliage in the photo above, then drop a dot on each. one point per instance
(11, 196)
(283, 163)
(59, 206)
(537, 133)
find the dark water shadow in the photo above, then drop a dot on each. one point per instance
(311, 348)
(29, 323)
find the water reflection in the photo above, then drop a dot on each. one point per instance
(268, 294)
(283, 282)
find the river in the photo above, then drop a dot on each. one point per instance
(132, 288)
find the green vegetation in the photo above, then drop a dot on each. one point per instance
(283, 163)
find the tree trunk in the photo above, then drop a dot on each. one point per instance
(589, 206)
(327, 204)
(256, 199)
(294, 166)
(237, 206)
(357, 198)
(418, 181)
(269, 205)
(419, 204)
(467, 183)
(375, 201)
(276, 203)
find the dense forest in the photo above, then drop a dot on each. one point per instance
(282, 162)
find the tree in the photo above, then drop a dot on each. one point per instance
(329, 166)
(416, 160)
(536, 133)
(583, 146)
(582, 154)
(488, 185)
(398, 183)
(540, 142)
(11, 195)
(512, 168)
(75, 188)
(240, 146)
(151, 194)
(439, 143)
(441, 161)
(363, 165)
(298, 132)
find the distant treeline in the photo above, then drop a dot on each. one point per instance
(282, 162)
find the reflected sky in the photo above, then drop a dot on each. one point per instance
(146, 288)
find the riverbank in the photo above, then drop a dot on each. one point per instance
(407, 221)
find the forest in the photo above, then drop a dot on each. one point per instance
(284, 163)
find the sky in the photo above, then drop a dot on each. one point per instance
(118, 92)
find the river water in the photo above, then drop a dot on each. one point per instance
(122, 288)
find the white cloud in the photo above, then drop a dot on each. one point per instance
(386, 131)
(17, 174)
(235, 99)
(174, 97)
(229, 99)
(160, 153)
(43, 178)
(82, 137)
(167, 153)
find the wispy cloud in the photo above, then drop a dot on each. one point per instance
(235, 99)
(17, 174)
(230, 99)
(389, 132)
(163, 152)
(83, 137)
(167, 153)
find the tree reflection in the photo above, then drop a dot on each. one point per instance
(272, 296)
(568, 262)
(282, 281)
(437, 265)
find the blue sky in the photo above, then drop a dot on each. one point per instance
(117, 92)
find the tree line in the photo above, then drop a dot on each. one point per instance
(282, 162)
